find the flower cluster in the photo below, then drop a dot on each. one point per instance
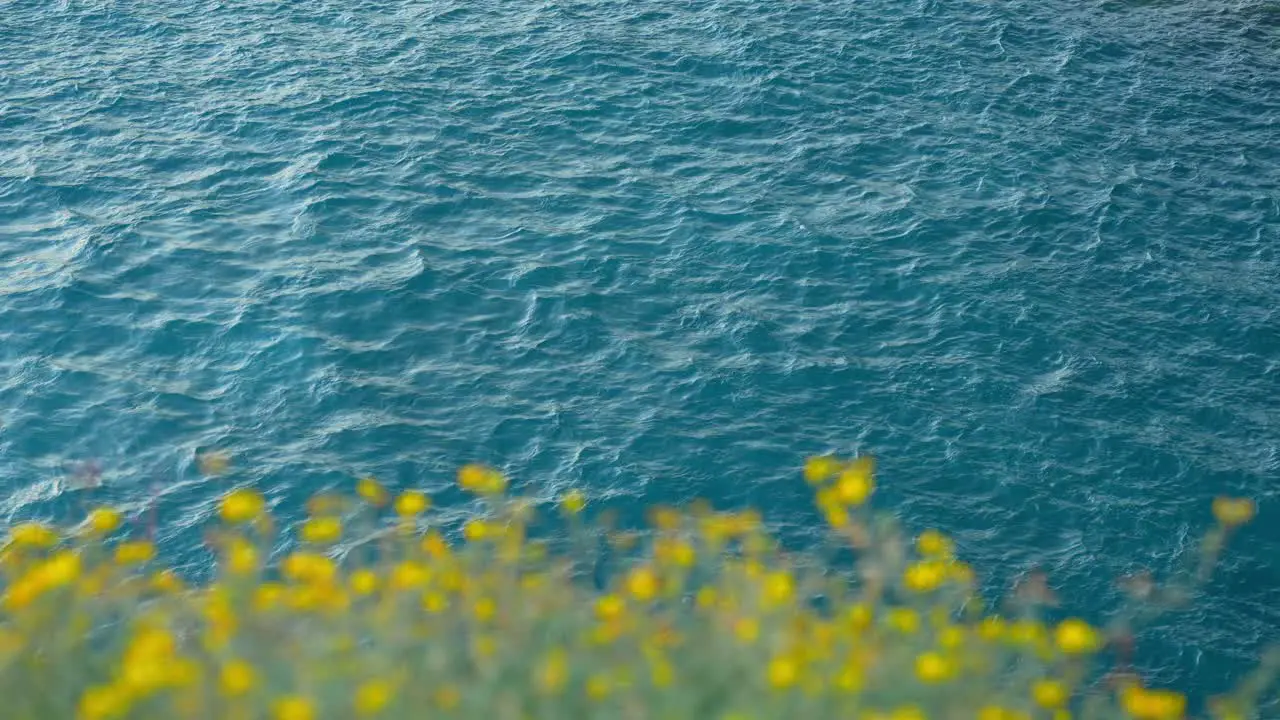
(373, 612)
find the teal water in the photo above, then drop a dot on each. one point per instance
(1026, 253)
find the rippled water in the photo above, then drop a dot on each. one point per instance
(1024, 252)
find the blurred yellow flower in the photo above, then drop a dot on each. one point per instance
(746, 629)
(103, 520)
(553, 672)
(924, 576)
(779, 588)
(408, 574)
(783, 672)
(819, 468)
(322, 530)
(237, 678)
(134, 552)
(932, 667)
(372, 491)
(32, 535)
(481, 479)
(932, 543)
(1232, 512)
(1050, 694)
(483, 609)
(598, 686)
(103, 702)
(372, 697)
(303, 566)
(642, 583)
(241, 556)
(434, 545)
(242, 505)
(573, 502)
(434, 601)
(1144, 704)
(166, 581)
(412, 503)
(903, 619)
(854, 487)
(610, 607)
(1076, 637)
(477, 530)
(293, 707)
(991, 628)
(364, 582)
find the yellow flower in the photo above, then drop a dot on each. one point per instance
(241, 506)
(372, 491)
(481, 479)
(434, 601)
(610, 607)
(32, 535)
(849, 678)
(661, 674)
(434, 545)
(859, 617)
(134, 552)
(166, 581)
(837, 517)
(675, 552)
(642, 583)
(574, 501)
(854, 486)
(779, 588)
(484, 609)
(598, 686)
(904, 620)
(103, 702)
(477, 530)
(951, 637)
(1077, 637)
(1232, 512)
(411, 503)
(293, 707)
(1143, 704)
(819, 468)
(308, 567)
(364, 582)
(60, 570)
(924, 576)
(237, 678)
(783, 672)
(372, 697)
(932, 667)
(242, 556)
(991, 628)
(267, 596)
(553, 671)
(322, 530)
(1050, 694)
(103, 520)
(746, 629)
(932, 543)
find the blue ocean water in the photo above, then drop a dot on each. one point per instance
(1024, 252)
